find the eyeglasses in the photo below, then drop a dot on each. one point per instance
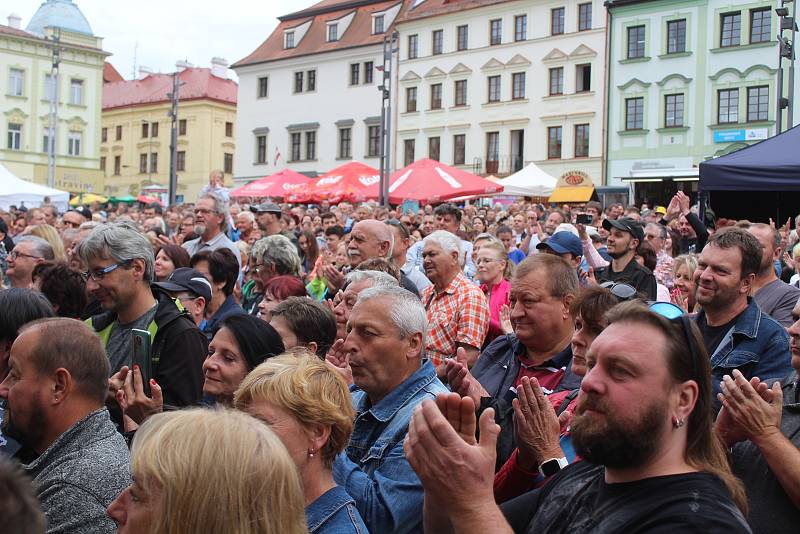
(481, 261)
(72, 224)
(667, 309)
(677, 316)
(99, 274)
(204, 211)
(14, 255)
(620, 290)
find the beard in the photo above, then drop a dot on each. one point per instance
(199, 229)
(616, 255)
(28, 433)
(614, 442)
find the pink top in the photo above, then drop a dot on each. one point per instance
(499, 296)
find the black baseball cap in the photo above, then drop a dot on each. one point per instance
(85, 212)
(626, 224)
(187, 279)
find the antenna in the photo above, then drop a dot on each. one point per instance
(135, 51)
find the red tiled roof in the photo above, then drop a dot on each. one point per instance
(359, 33)
(198, 83)
(432, 8)
(111, 74)
(14, 31)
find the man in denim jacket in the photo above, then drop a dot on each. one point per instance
(385, 344)
(736, 333)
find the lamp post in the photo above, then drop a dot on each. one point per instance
(389, 49)
(786, 51)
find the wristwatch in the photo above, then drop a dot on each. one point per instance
(552, 466)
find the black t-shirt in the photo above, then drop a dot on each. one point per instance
(633, 274)
(712, 335)
(578, 500)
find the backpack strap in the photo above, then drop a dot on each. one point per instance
(569, 398)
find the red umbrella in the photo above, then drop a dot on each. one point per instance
(429, 181)
(144, 199)
(352, 182)
(277, 185)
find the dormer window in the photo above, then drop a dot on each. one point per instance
(377, 24)
(288, 40)
(333, 32)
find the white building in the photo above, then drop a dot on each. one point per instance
(308, 96)
(489, 85)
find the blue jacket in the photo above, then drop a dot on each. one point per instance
(756, 345)
(374, 469)
(334, 512)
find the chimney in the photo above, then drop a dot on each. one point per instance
(15, 21)
(219, 67)
(183, 64)
(144, 72)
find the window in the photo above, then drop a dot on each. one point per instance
(14, 136)
(180, 161)
(634, 113)
(636, 41)
(345, 143)
(413, 46)
(355, 73)
(557, 21)
(757, 103)
(227, 163)
(374, 141)
(228, 129)
(728, 106)
(411, 99)
(154, 129)
(289, 37)
(494, 88)
(46, 141)
(49, 87)
(408, 152)
(103, 164)
(584, 17)
(142, 163)
(581, 140)
(311, 145)
(333, 32)
(520, 27)
(377, 24)
(462, 37)
(554, 142)
(437, 39)
(673, 111)
(261, 149)
(295, 146)
(461, 93)
(118, 135)
(495, 31)
(15, 82)
(368, 70)
(731, 24)
(182, 127)
(311, 80)
(433, 148)
(583, 78)
(459, 149)
(760, 20)
(518, 86)
(298, 82)
(557, 81)
(492, 149)
(104, 135)
(76, 92)
(145, 130)
(74, 143)
(436, 96)
(153, 162)
(676, 36)
(117, 165)
(263, 87)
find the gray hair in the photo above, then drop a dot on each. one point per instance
(405, 310)
(221, 208)
(662, 230)
(120, 241)
(249, 215)
(379, 278)
(40, 246)
(279, 251)
(447, 241)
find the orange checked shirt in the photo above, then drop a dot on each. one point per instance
(459, 314)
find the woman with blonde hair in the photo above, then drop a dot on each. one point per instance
(494, 272)
(211, 471)
(683, 284)
(49, 234)
(307, 404)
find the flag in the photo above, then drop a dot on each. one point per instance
(277, 156)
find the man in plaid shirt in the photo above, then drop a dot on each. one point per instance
(458, 313)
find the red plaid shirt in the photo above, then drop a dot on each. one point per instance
(458, 314)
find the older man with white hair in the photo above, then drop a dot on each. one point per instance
(370, 239)
(458, 313)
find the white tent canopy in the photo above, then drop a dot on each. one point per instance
(531, 181)
(16, 191)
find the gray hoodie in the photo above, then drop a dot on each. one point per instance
(80, 474)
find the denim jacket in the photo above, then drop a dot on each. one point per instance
(756, 345)
(334, 512)
(374, 469)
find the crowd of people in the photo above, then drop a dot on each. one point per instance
(244, 366)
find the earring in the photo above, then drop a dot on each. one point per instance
(311, 453)
(678, 423)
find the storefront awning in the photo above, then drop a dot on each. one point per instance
(660, 175)
(571, 194)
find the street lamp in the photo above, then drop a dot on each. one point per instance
(786, 51)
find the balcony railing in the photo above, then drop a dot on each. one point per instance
(501, 166)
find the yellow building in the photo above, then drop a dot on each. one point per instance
(135, 135)
(27, 89)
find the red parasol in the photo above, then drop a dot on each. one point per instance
(429, 181)
(144, 199)
(352, 182)
(277, 185)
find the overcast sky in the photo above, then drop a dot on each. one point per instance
(168, 30)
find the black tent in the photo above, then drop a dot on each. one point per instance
(756, 182)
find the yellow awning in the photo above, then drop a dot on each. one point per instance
(571, 194)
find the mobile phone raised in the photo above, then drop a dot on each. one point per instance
(584, 218)
(140, 355)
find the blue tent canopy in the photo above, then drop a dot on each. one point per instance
(771, 165)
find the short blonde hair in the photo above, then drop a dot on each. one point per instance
(49, 234)
(309, 389)
(500, 252)
(685, 260)
(219, 472)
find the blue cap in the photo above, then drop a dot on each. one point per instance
(563, 242)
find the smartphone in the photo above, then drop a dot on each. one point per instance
(140, 356)
(584, 218)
